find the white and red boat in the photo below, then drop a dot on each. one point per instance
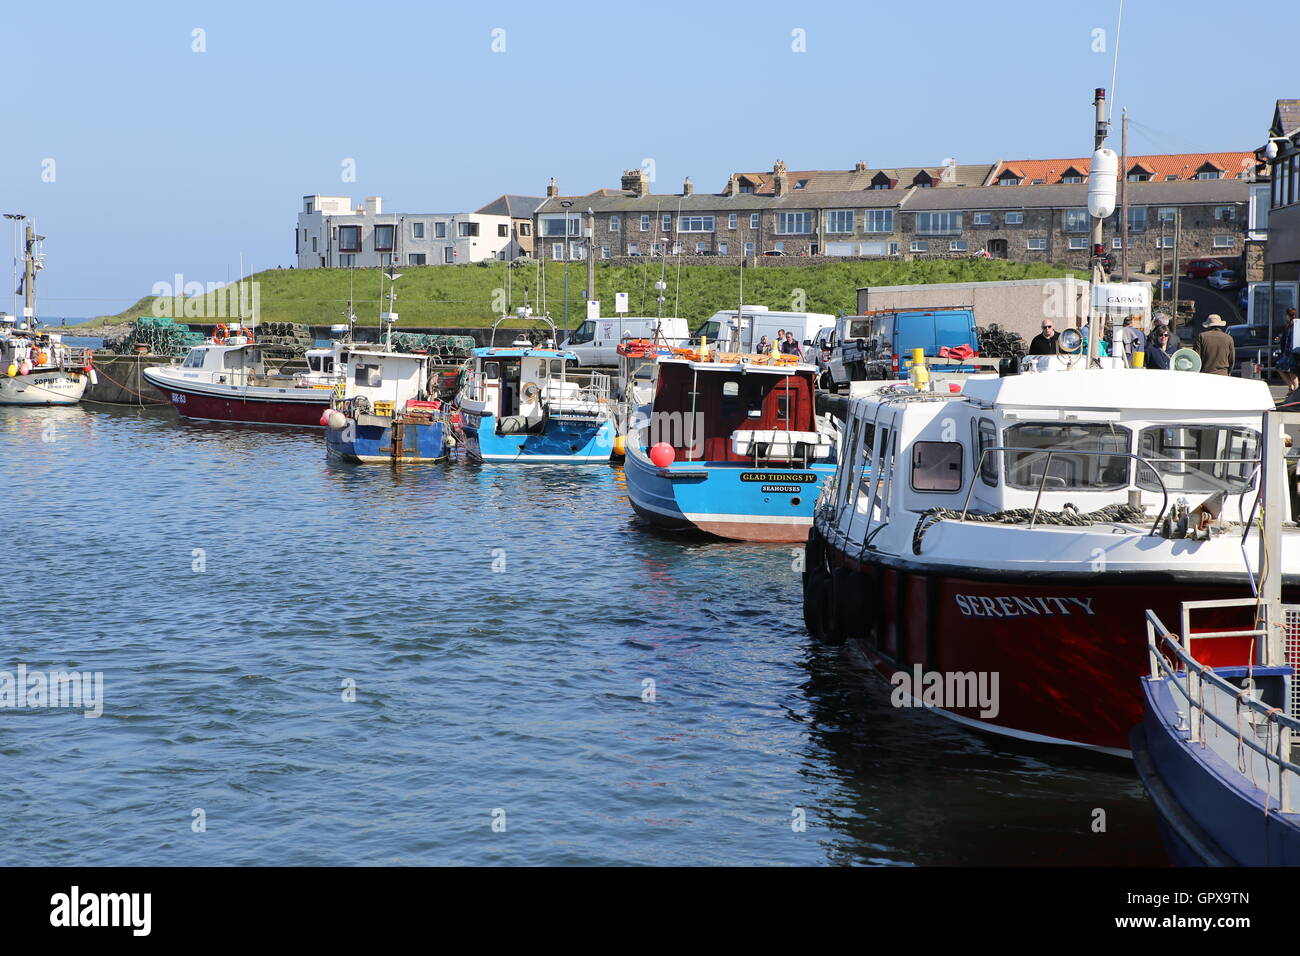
(1005, 536)
(228, 379)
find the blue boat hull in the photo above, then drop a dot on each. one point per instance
(374, 443)
(564, 441)
(1210, 813)
(734, 500)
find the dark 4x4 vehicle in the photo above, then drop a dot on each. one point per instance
(1252, 344)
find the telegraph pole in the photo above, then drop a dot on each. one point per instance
(1178, 236)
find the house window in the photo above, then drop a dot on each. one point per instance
(749, 248)
(440, 230)
(347, 262)
(525, 229)
(677, 247)
(983, 218)
(577, 251)
(383, 238)
(503, 231)
(604, 252)
(724, 248)
(1076, 220)
(313, 244)
(667, 222)
(1009, 179)
(731, 221)
(753, 220)
(1209, 174)
(1014, 218)
(645, 223)
(417, 230)
(778, 246)
(1078, 242)
(1225, 213)
(415, 259)
(788, 223)
(1036, 245)
(448, 255)
(701, 248)
(554, 225)
(1166, 214)
(694, 223)
(938, 223)
(746, 188)
(633, 249)
(1138, 177)
(656, 248)
(878, 220)
(839, 220)
(1165, 242)
(349, 238)
(1137, 218)
(385, 258)
(613, 224)
(920, 245)
(957, 245)
(1071, 179)
(557, 251)
(1224, 242)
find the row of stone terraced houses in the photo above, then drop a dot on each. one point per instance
(1034, 210)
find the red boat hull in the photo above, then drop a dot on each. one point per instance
(1068, 652)
(302, 409)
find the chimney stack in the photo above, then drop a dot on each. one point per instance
(552, 189)
(780, 182)
(634, 181)
(859, 167)
(733, 186)
(374, 205)
(687, 186)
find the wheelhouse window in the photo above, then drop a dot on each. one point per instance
(1199, 458)
(986, 437)
(195, 358)
(1067, 456)
(936, 466)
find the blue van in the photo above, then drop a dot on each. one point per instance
(879, 345)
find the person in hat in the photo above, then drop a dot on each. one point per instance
(1215, 347)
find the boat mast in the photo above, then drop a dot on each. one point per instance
(29, 277)
(1100, 128)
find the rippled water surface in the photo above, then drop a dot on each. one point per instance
(500, 625)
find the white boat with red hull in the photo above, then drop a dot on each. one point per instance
(1018, 527)
(231, 378)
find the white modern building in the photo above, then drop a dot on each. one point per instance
(334, 234)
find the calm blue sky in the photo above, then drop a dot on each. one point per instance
(169, 161)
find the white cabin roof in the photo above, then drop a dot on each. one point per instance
(1125, 388)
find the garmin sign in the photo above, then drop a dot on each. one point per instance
(1122, 296)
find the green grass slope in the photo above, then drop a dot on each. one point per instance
(474, 295)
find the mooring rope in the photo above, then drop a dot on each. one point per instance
(1068, 515)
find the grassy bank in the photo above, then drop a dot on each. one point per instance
(473, 295)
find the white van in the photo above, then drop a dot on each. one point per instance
(596, 341)
(757, 321)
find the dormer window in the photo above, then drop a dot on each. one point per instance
(801, 184)
(1009, 179)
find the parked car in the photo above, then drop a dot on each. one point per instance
(1252, 345)
(1202, 268)
(774, 252)
(1223, 279)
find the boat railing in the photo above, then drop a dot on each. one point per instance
(1246, 717)
(1050, 452)
(473, 386)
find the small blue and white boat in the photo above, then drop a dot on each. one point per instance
(746, 452)
(385, 409)
(1216, 749)
(523, 403)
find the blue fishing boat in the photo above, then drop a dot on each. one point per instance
(1216, 745)
(385, 409)
(731, 445)
(527, 403)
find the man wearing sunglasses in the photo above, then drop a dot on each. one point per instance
(1046, 342)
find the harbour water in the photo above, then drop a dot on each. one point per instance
(501, 628)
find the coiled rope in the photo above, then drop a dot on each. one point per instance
(1068, 515)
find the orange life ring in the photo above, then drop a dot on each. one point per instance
(219, 333)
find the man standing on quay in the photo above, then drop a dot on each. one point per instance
(1215, 347)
